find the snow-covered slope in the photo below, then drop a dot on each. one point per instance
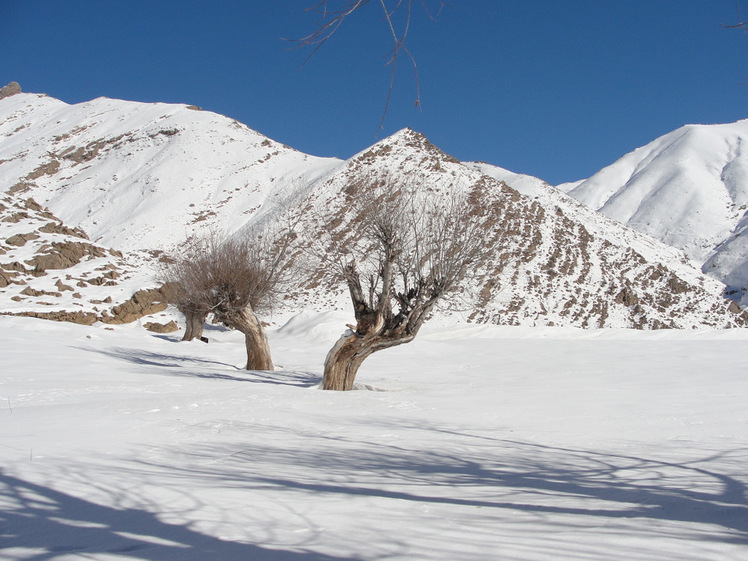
(689, 189)
(141, 178)
(139, 175)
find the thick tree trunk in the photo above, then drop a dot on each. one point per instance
(376, 326)
(343, 361)
(255, 338)
(347, 355)
(194, 322)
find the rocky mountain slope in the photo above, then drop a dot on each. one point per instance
(126, 181)
(689, 189)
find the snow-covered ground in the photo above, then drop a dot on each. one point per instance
(471, 443)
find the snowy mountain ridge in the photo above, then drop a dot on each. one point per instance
(139, 179)
(689, 189)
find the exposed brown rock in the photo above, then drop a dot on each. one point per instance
(31, 204)
(61, 255)
(62, 286)
(12, 88)
(28, 291)
(49, 168)
(627, 297)
(16, 217)
(82, 318)
(19, 240)
(6, 278)
(59, 228)
(162, 327)
(107, 279)
(14, 266)
(142, 303)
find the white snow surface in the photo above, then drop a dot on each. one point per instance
(471, 443)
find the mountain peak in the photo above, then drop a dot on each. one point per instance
(404, 142)
(12, 88)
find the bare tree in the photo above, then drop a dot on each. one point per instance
(411, 246)
(231, 278)
(334, 13)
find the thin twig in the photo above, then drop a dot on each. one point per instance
(332, 19)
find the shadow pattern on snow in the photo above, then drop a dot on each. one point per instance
(41, 523)
(496, 474)
(196, 367)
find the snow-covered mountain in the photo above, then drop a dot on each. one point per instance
(138, 179)
(138, 175)
(689, 189)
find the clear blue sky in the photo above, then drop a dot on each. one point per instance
(556, 89)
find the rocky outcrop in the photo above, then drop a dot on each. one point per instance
(19, 240)
(82, 318)
(169, 327)
(11, 89)
(142, 303)
(62, 255)
(46, 264)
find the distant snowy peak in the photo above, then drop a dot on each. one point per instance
(688, 188)
(525, 184)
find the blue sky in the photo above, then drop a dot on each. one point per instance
(556, 89)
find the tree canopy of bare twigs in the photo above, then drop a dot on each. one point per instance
(408, 249)
(231, 278)
(334, 12)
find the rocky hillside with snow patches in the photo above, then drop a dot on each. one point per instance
(114, 184)
(689, 189)
(141, 175)
(559, 263)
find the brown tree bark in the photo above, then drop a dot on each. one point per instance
(377, 328)
(255, 338)
(349, 352)
(194, 322)
(342, 363)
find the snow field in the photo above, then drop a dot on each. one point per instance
(472, 443)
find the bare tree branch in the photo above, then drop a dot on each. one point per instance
(333, 18)
(742, 24)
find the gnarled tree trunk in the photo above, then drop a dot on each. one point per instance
(342, 363)
(255, 338)
(194, 322)
(345, 358)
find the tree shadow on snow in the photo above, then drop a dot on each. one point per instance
(501, 474)
(196, 367)
(38, 523)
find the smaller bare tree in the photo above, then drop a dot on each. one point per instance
(408, 249)
(231, 278)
